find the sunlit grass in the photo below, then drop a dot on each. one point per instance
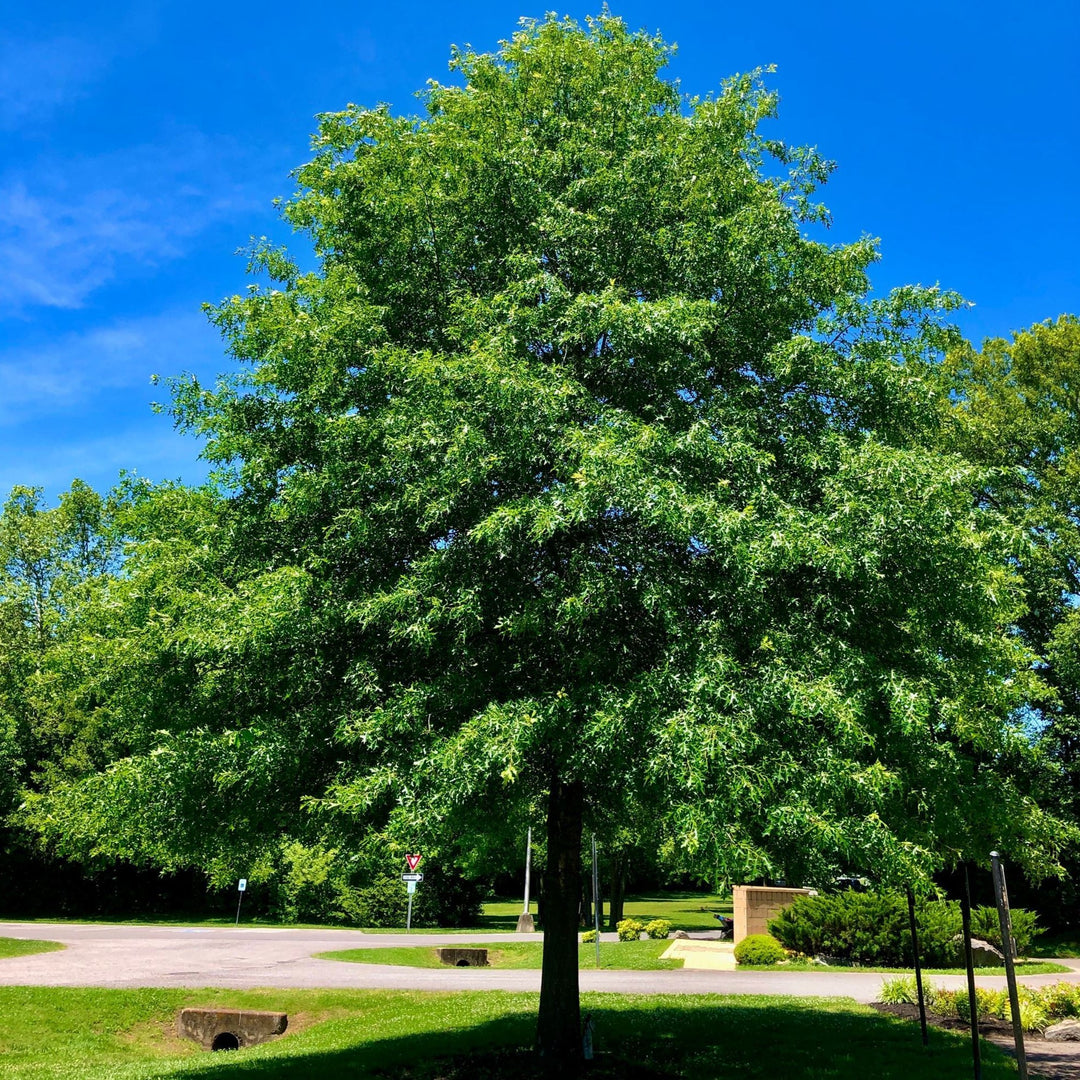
(81, 1034)
(10, 946)
(625, 955)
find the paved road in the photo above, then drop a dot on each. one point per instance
(131, 956)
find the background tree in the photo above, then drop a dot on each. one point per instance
(1015, 408)
(577, 473)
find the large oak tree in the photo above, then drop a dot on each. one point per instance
(578, 475)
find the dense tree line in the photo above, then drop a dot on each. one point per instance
(578, 486)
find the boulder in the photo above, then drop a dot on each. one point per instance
(680, 934)
(983, 954)
(1063, 1031)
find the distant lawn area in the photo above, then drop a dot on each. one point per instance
(1066, 945)
(684, 910)
(10, 946)
(624, 955)
(81, 1034)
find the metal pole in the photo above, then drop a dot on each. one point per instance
(969, 963)
(918, 964)
(528, 867)
(596, 900)
(1008, 947)
(238, 903)
(408, 915)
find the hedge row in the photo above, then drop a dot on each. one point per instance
(873, 928)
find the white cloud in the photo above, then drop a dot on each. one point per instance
(71, 225)
(38, 77)
(73, 371)
(152, 449)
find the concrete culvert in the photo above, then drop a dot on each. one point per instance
(458, 957)
(229, 1029)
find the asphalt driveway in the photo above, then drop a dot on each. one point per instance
(132, 956)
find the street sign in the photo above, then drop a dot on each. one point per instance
(241, 886)
(412, 878)
(410, 888)
(413, 861)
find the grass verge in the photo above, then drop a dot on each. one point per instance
(81, 1034)
(622, 955)
(1023, 967)
(684, 910)
(10, 946)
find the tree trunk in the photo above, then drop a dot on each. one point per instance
(618, 889)
(558, 1032)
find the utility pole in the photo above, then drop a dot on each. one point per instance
(525, 924)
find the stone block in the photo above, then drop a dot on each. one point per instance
(755, 905)
(230, 1029)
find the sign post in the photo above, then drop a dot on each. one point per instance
(410, 879)
(1008, 947)
(241, 888)
(596, 907)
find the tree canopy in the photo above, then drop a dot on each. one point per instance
(579, 474)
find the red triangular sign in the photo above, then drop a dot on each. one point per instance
(413, 861)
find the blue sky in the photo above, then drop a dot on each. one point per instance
(141, 144)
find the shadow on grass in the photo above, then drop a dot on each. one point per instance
(663, 1036)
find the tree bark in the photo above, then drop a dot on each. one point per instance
(558, 1031)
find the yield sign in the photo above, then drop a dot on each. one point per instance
(413, 861)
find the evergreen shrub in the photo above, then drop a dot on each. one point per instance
(873, 929)
(760, 949)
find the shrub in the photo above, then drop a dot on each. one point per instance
(761, 949)
(873, 928)
(859, 928)
(900, 991)
(445, 900)
(1037, 1006)
(658, 928)
(1025, 927)
(588, 936)
(1033, 1014)
(1060, 1000)
(630, 929)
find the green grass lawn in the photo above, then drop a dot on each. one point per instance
(637, 955)
(10, 946)
(80, 1034)
(685, 911)
(1067, 944)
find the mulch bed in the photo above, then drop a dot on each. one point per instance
(988, 1025)
(1047, 1059)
